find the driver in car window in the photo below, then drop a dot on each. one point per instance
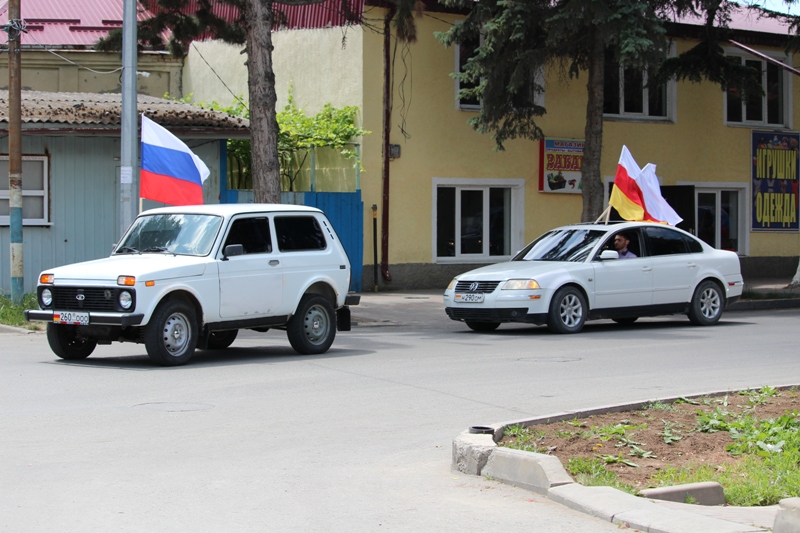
(621, 242)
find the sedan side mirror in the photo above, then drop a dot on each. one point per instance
(609, 254)
(232, 250)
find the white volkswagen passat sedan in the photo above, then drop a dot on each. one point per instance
(574, 273)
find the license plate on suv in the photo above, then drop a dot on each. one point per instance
(71, 317)
(469, 297)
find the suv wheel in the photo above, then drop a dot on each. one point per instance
(312, 328)
(568, 311)
(171, 335)
(66, 344)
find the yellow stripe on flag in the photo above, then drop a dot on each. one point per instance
(626, 208)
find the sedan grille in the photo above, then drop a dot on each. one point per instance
(477, 286)
(84, 299)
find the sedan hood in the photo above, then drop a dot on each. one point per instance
(517, 270)
(150, 266)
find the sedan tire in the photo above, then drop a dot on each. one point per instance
(707, 304)
(568, 311)
(482, 327)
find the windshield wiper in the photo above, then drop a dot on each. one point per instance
(127, 250)
(155, 249)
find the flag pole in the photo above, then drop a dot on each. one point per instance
(605, 214)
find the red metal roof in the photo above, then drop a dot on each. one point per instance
(69, 23)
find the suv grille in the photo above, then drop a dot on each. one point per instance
(94, 299)
(482, 286)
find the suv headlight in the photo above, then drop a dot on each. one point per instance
(520, 284)
(125, 300)
(47, 298)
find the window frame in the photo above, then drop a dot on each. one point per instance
(743, 224)
(671, 96)
(44, 193)
(517, 218)
(539, 78)
(786, 88)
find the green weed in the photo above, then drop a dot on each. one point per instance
(13, 315)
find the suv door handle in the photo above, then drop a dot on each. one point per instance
(274, 262)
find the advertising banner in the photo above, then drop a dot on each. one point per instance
(775, 181)
(560, 162)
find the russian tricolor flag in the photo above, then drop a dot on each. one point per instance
(170, 172)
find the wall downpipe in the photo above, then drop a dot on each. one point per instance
(387, 128)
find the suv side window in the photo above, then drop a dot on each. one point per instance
(664, 241)
(252, 233)
(298, 233)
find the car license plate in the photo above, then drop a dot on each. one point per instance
(71, 317)
(470, 297)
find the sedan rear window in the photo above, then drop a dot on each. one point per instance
(571, 244)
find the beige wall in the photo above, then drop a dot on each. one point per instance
(314, 62)
(42, 71)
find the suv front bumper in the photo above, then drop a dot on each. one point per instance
(95, 318)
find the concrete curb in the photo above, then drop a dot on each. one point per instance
(759, 305)
(12, 329)
(478, 454)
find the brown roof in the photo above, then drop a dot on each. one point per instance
(44, 112)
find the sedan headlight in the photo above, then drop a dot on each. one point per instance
(47, 298)
(125, 300)
(520, 284)
(452, 285)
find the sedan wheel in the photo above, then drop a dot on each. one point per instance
(568, 311)
(707, 304)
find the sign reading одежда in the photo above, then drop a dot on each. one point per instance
(775, 181)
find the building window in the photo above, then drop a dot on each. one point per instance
(477, 222)
(523, 99)
(627, 95)
(769, 108)
(35, 191)
(464, 51)
(720, 220)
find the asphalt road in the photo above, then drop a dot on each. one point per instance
(257, 438)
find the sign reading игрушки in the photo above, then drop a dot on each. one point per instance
(775, 181)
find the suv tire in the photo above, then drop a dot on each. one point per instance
(66, 344)
(312, 328)
(171, 335)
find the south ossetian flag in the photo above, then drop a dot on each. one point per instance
(171, 173)
(636, 194)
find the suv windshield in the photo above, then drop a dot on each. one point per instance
(566, 244)
(174, 233)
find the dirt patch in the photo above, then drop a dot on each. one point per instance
(657, 436)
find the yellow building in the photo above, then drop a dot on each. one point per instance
(454, 202)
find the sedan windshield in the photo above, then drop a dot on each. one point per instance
(569, 244)
(174, 233)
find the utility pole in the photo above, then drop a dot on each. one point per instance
(129, 132)
(14, 29)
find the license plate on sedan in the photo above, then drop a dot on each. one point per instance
(71, 317)
(469, 297)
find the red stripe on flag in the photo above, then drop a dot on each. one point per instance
(169, 190)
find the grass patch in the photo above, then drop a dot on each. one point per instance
(13, 315)
(592, 473)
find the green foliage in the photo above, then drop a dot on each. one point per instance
(661, 406)
(526, 439)
(592, 473)
(13, 315)
(298, 133)
(670, 434)
(617, 459)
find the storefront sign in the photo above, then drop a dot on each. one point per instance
(560, 162)
(775, 181)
